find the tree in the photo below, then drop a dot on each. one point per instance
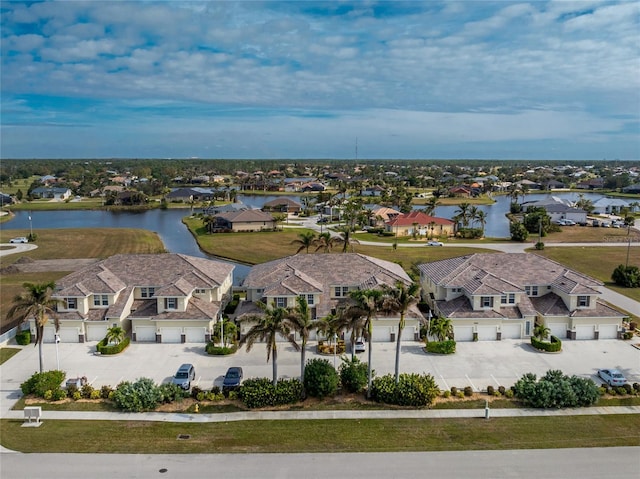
(301, 322)
(518, 231)
(36, 302)
(325, 242)
(481, 216)
(367, 301)
(272, 323)
(627, 276)
(226, 327)
(441, 328)
(541, 332)
(305, 241)
(115, 335)
(398, 300)
(209, 223)
(346, 239)
(431, 204)
(463, 213)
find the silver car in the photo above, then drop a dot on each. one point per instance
(612, 377)
(183, 377)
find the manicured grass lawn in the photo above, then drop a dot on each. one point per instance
(365, 435)
(48, 205)
(8, 353)
(598, 262)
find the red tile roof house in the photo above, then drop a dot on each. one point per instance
(168, 298)
(427, 226)
(490, 297)
(325, 280)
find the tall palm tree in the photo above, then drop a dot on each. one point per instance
(481, 216)
(329, 326)
(209, 222)
(398, 300)
(346, 239)
(463, 213)
(325, 242)
(441, 328)
(367, 301)
(473, 215)
(273, 322)
(541, 332)
(301, 322)
(430, 206)
(305, 241)
(36, 302)
(115, 335)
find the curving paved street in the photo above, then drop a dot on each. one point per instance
(16, 248)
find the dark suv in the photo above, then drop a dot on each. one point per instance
(232, 379)
(183, 377)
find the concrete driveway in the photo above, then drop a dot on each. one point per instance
(478, 364)
(16, 248)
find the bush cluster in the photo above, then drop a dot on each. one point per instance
(230, 308)
(141, 395)
(353, 375)
(23, 337)
(215, 350)
(415, 390)
(261, 392)
(441, 347)
(551, 347)
(555, 390)
(103, 347)
(40, 383)
(320, 378)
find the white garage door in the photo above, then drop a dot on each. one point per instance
(487, 333)
(559, 330)
(511, 331)
(585, 331)
(171, 335)
(381, 334)
(463, 333)
(194, 335)
(48, 335)
(96, 332)
(608, 331)
(69, 335)
(146, 334)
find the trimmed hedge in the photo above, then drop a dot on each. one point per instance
(553, 347)
(556, 390)
(40, 383)
(320, 378)
(23, 337)
(260, 392)
(441, 347)
(214, 350)
(103, 348)
(416, 390)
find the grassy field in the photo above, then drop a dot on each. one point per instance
(69, 244)
(8, 353)
(598, 262)
(365, 435)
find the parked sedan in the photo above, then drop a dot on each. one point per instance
(232, 379)
(435, 243)
(20, 239)
(612, 377)
(183, 377)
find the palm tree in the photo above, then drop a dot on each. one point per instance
(36, 302)
(301, 322)
(329, 326)
(346, 239)
(463, 213)
(209, 222)
(481, 216)
(398, 300)
(541, 332)
(430, 206)
(305, 241)
(115, 335)
(473, 215)
(367, 301)
(441, 328)
(273, 322)
(325, 242)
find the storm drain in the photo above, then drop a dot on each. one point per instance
(184, 436)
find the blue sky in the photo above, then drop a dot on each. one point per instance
(181, 79)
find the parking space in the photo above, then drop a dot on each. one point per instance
(475, 364)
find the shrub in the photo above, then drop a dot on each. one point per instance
(48, 395)
(539, 246)
(446, 394)
(627, 335)
(468, 391)
(552, 347)
(460, 394)
(59, 394)
(490, 390)
(72, 389)
(23, 337)
(95, 394)
(142, 395)
(172, 392)
(195, 390)
(215, 390)
(39, 383)
(454, 390)
(502, 390)
(76, 395)
(214, 350)
(509, 393)
(556, 390)
(415, 390)
(320, 378)
(628, 388)
(104, 348)
(636, 387)
(441, 347)
(627, 276)
(86, 391)
(620, 391)
(353, 375)
(201, 396)
(260, 392)
(105, 391)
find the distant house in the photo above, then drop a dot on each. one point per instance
(5, 199)
(382, 214)
(227, 208)
(460, 191)
(282, 205)
(187, 195)
(558, 209)
(163, 298)
(312, 186)
(553, 185)
(592, 184)
(375, 190)
(51, 192)
(420, 223)
(245, 220)
(609, 205)
(633, 189)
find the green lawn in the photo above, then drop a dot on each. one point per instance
(313, 436)
(8, 353)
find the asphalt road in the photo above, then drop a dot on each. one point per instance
(16, 248)
(618, 462)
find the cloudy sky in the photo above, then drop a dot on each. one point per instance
(303, 79)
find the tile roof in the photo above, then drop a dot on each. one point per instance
(416, 216)
(246, 216)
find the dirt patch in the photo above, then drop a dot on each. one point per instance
(45, 265)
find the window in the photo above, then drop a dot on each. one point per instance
(200, 291)
(512, 298)
(171, 303)
(486, 301)
(100, 300)
(309, 298)
(341, 291)
(72, 303)
(280, 302)
(456, 290)
(583, 301)
(531, 290)
(527, 328)
(503, 299)
(147, 292)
